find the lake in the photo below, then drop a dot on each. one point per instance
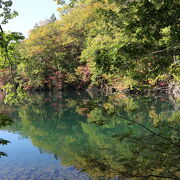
(81, 136)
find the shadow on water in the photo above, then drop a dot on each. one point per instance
(106, 137)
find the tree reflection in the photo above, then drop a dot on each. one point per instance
(128, 137)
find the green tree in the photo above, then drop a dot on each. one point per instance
(8, 40)
(52, 52)
(4, 121)
(143, 44)
(53, 18)
(121, 44)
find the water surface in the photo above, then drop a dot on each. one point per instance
(82, 136)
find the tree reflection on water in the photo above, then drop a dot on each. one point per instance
(129, 137)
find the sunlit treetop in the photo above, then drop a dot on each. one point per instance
(5, 11)
(70, 2)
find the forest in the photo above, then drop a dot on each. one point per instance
(111, 50)
(95, 44)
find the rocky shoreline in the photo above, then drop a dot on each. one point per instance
(169, 89)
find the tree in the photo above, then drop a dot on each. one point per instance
(4, 121)
(144, 44)
(6, 13)
(6, 39)
(125, 44)
(36, 26)
(52, 51)
(53, 18)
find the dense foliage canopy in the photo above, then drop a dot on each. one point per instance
(119, 44)
(98, 43)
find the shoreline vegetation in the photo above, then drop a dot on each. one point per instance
(108, 46)
(5, 120)
(101, 46)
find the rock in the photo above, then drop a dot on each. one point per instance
(174, 89)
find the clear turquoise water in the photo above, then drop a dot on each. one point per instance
(26, 161)
(81, 136)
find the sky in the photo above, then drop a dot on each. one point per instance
(30, 13)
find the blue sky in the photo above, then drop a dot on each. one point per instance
(30, 13)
